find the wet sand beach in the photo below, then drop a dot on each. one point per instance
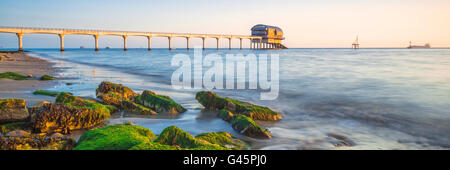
(24, 64)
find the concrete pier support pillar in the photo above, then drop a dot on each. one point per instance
(240, 43)
(218, 39)
(61, 38)
(149, 38)
(251, 44)
(187, 42)
(96, 42)
(203, 42)
(170, 43)
(229, 43)
(125, 42)
(20, 37)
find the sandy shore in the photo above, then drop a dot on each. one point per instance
(26, 65)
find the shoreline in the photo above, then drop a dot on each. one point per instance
(25, 64)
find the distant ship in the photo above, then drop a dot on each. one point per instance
(107, 48)
(427, 45)
(82, 47)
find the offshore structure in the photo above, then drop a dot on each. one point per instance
(427, 45)
(355, 44)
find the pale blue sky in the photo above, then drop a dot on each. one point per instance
(319, 23)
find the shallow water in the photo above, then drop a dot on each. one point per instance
(330, 98)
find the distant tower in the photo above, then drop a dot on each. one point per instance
(355, 44)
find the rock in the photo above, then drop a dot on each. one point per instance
(13, 110)
(47, 93)
(8, 127)
(18, 133)
(115, 137)
(69, 113)
(174, 136)
(226, 115)
(35, 142)
(213, 102)
(341, 140)
(132, 107)
(47, 77)
(3, 58)
(114, 94)
(30, 76)
(248, 127)
(223, 139)
(12, 75)
(57, 135)
(159, 103)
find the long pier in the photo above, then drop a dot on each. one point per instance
(255, 41)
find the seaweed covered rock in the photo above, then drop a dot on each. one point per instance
(132, 107)
(159, 103)
(13, 110)
(68, 114)
(47, 93)
(5, 128)
(248, 127)
(12, 75)
(36, 142)
(116, 137)
(47, 77)
(114, 94)
(223, 139)
(213, 102)
(174, 136)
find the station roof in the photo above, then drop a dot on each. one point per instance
(263, 27)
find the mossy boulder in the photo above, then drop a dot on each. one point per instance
(115, 137)
(5, 128)
(159, 103)
(12, 75)
(213, 102)
(47, 93)
(47, 77)
(132, 107)
(248, 127)
(13, 110)
(114, 94)
(69, 113)
(223, 139)
(36, 142)
(174, 136)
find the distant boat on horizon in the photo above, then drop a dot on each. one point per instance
(427, 45)
(82, 47)
(107, 48)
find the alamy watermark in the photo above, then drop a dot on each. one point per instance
(234, 66)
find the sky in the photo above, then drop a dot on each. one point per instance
(306, 24)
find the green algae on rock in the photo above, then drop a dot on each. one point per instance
(132, 107)
(36, 142)
(12, 75)
(13, 110)
(248, 127)
(226, 115)
(5, 128)
(174, 136)
(69, 113)
(47, 77)
(115, 137)
(131, 137)
(47, 93)
(211, 101)
(114, 94)
(223, 139)
(159, 103)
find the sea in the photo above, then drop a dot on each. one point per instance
(330, 99)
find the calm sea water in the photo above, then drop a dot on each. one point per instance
(370, 98)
